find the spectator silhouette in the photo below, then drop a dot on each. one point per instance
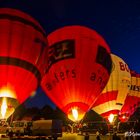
(137, 126)
(87, 136)
(115, 137)
(98, 135)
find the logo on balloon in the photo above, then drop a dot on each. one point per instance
(61, 50)
(135, 88)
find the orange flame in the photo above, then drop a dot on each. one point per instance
(111, 118)
(76, 114)
(3, 107)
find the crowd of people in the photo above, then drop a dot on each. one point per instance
(131, 131)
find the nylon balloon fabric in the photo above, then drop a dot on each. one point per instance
(79, 66)
(22, 54)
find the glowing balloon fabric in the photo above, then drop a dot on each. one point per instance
(79, 68)
(22, 54)
(116, 90)
(133, 98)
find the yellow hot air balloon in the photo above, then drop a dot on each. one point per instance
(110, 102)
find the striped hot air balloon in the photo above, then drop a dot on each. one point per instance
(133, 98)
(114, 94)
(22, 55)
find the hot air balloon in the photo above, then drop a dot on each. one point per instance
(22, 55)
(114, 94)
(7, 107)
(132, 100)
(79, 66)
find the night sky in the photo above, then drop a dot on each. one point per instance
(118, 21)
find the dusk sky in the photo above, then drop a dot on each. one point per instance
(118, 21)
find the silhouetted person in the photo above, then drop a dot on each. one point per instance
(87, 136)
(55, 136)
(137, 126)
(10, 134)
(137, 129)
(98, 135)
(115, 137)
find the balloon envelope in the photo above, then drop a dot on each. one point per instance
(22, 53)
(133, 98)
(114, 94)
(79, 66)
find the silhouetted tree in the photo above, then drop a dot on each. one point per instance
(92, 116)
(59, 114)
(47, 112)
(33, 112)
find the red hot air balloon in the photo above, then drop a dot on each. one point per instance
(132, 100)
(22, 54)
(79, 68)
